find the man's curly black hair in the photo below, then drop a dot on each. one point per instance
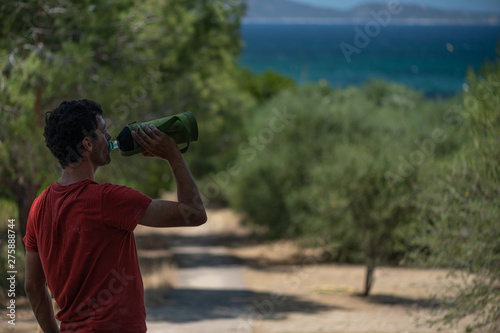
(67, 125)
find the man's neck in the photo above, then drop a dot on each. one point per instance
(77, 172)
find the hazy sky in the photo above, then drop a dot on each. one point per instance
(469, 5)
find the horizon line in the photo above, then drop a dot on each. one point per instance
(345, 21)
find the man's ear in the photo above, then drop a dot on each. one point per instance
(87, 144)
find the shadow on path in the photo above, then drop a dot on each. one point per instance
(187, 305)
(210, 284)
(391, 300)
(155, 240)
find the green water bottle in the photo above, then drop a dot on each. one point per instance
(181, 127)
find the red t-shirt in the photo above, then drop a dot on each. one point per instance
(83, 234)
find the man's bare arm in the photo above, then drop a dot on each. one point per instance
(38, 295)
(165, 214)
(189, 209)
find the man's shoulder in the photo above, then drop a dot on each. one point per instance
(95, 186)
(45, 192)
(109, 188)
(85, 187)
(89, 188)
(113, 187)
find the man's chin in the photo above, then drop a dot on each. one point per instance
(106, 160)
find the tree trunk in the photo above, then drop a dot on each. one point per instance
(38, 105)
(370, 268)
(27, 194)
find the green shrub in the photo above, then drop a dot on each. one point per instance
(266, 85)
(344, 166)
(458, 221)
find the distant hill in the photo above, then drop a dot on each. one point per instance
(283, 11)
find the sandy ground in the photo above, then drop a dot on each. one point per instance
(299, 291)
(216, 279)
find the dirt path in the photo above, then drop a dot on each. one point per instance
(208, 293)
(226, 283)
(215, 279)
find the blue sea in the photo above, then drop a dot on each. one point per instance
(433, 59)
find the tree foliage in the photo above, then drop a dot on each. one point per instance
(139, 59)
(266, 85)
(345, 165)
(458, 225)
